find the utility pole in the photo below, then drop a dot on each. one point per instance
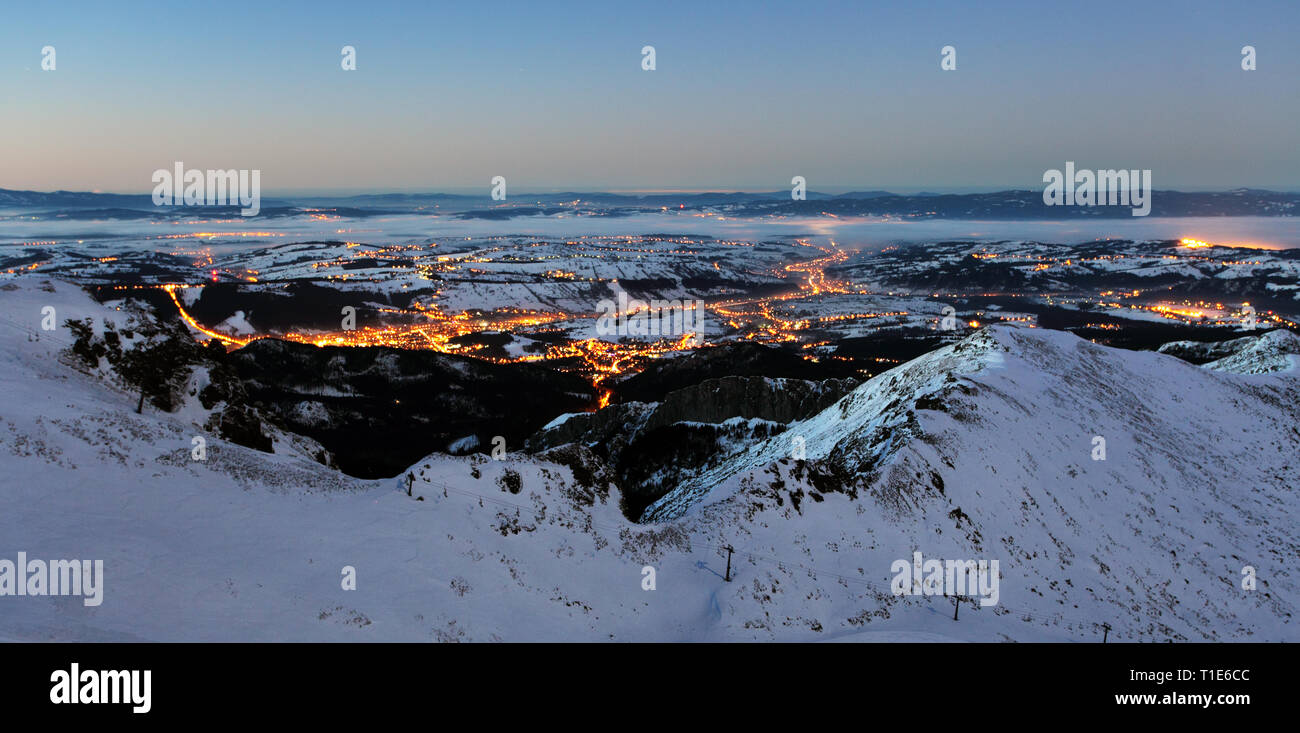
(956, 605)
(1105, 632)
(729, 551)
(410, 479)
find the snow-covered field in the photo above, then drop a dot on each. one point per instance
(1200, 480)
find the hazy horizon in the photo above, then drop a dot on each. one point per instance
(515, 195)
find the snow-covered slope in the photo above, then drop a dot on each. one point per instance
(1275, 351)
(985, 449)
(1199, 480)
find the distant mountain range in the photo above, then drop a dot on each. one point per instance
(10, 197)
(1000, 205)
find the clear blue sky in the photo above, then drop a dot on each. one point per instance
(745, 96)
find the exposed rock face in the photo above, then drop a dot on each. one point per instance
(1277, 350)
(711, 401)
(651, 447)
(604, 425)
(241, 425)
(1202, 352)
(777, 400)
(657, 459)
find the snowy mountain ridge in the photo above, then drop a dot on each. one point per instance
(247, 545)
(989, 448)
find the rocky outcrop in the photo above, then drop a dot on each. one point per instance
(1277, 350)
(777, 400)
(653, 446)
(1202, 352)
(712, 401)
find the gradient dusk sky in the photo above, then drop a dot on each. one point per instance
(745, 96)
